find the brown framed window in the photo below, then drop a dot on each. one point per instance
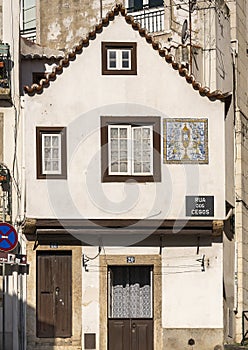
(119, 58)
(130, 149)
(51, 152)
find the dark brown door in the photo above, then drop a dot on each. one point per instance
(54, 304)
(130, 322)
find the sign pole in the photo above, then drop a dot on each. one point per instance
(3, 285)
(3, 320)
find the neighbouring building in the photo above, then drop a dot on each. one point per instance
(129, 193)
(13, 267)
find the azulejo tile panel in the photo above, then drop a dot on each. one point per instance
(186, 140)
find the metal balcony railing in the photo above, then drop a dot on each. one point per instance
(149, 18)
(244, 328)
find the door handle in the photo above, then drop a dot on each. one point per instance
(133, 327)
(57, 291)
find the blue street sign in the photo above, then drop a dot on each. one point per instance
(8, 237)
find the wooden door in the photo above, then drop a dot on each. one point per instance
(54, 303)
(130, 322)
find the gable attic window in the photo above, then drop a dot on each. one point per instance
(130, 149)
(51, 152)
(119, 58)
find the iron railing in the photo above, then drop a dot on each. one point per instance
(150, 19)
(244, 327)
(29, 34)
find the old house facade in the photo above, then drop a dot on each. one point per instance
(128, 201)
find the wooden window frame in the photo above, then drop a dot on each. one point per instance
(118, 46)
(135, 121)
(63, 166)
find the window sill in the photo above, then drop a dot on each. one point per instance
(131, 178)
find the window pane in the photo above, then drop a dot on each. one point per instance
(123, 167)
(125, 55)
(138, 5)
(112, 64)
(123, 133)
(47, 165)
(154, 3)
(125, 64)
(123, 144)
(125, 59)
(47, 153)
(114, 167)
(47, 141)
(112, 59)
(137, 133)
(114, 145)
(114, 133)
(146, 167)
(137, 167)
(55, 153)
(55, 141)
(112, 55)
(123, 156)
(55, 165)
(146, 133)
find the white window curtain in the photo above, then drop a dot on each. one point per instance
(51, 153)
(130, 150)
(130, 293)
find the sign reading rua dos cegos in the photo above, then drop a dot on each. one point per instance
(199, 205)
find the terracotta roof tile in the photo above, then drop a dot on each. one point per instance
(163, 52)
(31, 50)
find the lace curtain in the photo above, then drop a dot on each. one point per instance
(130, 293)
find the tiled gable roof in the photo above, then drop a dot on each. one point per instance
(169, 58)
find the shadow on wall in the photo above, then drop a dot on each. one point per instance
(12, 306)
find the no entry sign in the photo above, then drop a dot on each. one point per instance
(8, 237)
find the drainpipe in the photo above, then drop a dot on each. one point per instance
(234, 47)
(235, 297)
(100, 9)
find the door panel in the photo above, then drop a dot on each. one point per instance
(119, 331)
(142, 334)
(45, 307)
(62, 281)
(54, 305)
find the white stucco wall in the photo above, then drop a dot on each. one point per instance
(191, 298)
(77, 99)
